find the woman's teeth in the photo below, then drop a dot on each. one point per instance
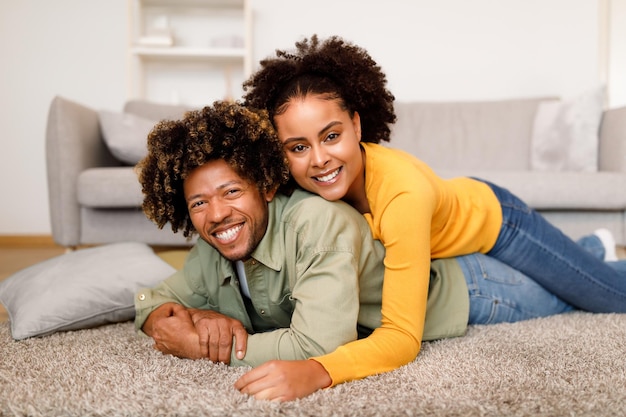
(328, 177)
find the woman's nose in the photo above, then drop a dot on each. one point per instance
(319, 157)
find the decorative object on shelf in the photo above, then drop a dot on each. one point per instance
(158, 33)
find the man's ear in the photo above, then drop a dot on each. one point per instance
(269, 194)
(356, 124)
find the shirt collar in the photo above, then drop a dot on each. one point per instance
(271, 249)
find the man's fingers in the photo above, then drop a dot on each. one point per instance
(225, 343)
(215, 335)
(203, 340)
(241, 342)
(214, 341)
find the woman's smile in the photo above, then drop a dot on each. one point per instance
(328, 178)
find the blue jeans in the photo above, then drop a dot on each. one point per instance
(574, 276)
(499, 293)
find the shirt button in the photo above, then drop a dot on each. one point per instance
(254, 262)
(262, 312)
(142, 297)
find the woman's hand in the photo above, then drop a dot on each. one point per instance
(284, 380)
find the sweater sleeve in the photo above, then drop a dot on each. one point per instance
(402, 221)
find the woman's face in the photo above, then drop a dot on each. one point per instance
(321, 141)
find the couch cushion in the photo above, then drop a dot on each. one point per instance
(110, 187)
(155, 111)
(557, 190)
(467, 135)
(126, 135)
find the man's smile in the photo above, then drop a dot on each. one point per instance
(228, 235)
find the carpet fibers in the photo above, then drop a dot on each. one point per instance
(567, 365)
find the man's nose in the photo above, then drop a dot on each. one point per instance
(218, 211)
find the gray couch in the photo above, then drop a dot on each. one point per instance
(95, 198)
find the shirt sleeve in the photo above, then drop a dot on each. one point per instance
(176, 288)
(403, 224)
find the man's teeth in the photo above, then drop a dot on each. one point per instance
(229, 234)
(328, 177)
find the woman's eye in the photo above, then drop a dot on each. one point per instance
(298, 148)
(332, 136)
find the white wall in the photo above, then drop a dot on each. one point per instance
(617, 53)
(431, 50)
(74, 48)
(453, 49)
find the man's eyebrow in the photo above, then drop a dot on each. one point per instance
(219, 187)
(320, 133)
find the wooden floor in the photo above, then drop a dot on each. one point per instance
(14, 257)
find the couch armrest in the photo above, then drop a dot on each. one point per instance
(73, 144)
(612, 151)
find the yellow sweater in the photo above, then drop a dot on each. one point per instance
(417, 216)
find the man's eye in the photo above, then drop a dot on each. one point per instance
(233, 192)
(196, 204)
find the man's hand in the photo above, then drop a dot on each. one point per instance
(172, 329)
(284, 380)
(216, 332)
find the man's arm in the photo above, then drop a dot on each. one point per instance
(195, 334)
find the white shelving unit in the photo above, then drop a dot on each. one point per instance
(189, 52)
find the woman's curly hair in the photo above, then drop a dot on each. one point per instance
(333, 68)
(241, 136)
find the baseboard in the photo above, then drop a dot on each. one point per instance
(44, 241)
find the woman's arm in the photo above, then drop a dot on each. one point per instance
(403, 224)
(395, 343)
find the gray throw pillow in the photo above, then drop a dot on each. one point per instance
(126, 135)
(565, 135)
(80, 289)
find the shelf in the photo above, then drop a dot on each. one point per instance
(189, 52)
(194, 3)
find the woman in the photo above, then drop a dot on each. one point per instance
(331, 108)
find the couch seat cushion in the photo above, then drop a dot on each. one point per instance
(558, 190)
(110, 187)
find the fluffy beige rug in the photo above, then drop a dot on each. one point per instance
(572, 364)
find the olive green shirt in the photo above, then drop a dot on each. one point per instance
(314, 276)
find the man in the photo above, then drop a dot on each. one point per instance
(288, 277)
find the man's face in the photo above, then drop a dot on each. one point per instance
(228, 211)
